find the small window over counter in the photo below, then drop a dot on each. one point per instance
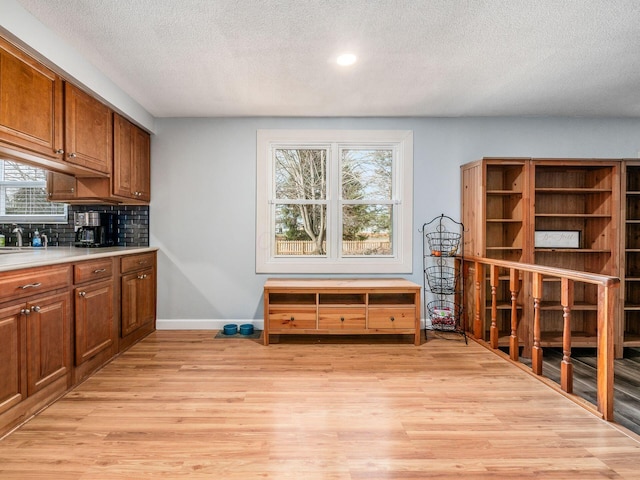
(23, 195)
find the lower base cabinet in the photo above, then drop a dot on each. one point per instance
(48, 341)
(138, 297)
(59, 324)
(35, 355)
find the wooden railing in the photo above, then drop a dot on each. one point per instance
(606, 299)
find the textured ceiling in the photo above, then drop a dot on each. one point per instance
(183, 58)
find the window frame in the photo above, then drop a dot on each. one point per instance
(401, 261)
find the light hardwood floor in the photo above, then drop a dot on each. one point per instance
(186, 405)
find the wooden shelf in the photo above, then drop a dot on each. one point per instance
(572, 190)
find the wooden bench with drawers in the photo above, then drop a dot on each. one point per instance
(360, 306)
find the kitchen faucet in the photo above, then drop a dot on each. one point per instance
(18, 231)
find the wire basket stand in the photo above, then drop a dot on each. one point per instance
(442, 238)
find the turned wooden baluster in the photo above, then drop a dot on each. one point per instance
(493, 280)
(606, 312)
(514, 286)
(477, 321)
(566, 367)
(536, 354)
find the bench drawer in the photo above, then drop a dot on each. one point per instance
(394, 318)
(336, 318)
(292, 318)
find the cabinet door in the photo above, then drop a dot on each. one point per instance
(122, 157)
(88, 132)
(30, 103)
(60, 186)
(12, 356)
(131, 160)
(138, 300)
(93, 320)
(48, 340)
(141, 166)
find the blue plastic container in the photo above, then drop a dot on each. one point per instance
(246, 329)
(230, 329)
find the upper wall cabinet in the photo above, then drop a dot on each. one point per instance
(131, 160)
(31, 105)
(130, 181)
(88, 131)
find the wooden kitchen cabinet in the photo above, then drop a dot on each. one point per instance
(35, 340)
(88, 131)
(60, 187)
(131, 160)
(60, 323)
(13, 374)
(130, 181)
(138, 297)
(31, 104)
(48, 341)
(341, 307)
(96, 326)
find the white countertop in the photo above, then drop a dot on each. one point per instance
(38, 257)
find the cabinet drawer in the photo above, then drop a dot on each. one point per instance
(94, 270)
(32, 281)
(392, 317)
(342, 318)
(292, 318)
(131, 263)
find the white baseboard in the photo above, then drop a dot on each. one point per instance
(217, 324)
(203, 324)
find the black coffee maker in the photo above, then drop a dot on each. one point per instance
(96, 229)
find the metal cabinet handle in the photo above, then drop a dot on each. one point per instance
(292, 319)
(342, 319)
(82, 294)
(59, 151)
(72, 155)
(142, 277)
(31, 285)
(392, 319)
(25, 311)
(100, 270)
(35, 308)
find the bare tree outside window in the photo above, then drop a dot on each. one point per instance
(301, 201)
(301, 192)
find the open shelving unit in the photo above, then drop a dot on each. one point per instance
(580, 199)
(505, 201)
(631, 257)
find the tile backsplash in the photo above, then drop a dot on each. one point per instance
(133, 226)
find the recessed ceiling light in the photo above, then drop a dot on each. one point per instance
(346, 59)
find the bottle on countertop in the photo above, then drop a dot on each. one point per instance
(36, 241)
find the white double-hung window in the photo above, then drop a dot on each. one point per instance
(334, 201)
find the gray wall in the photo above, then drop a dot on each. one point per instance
(203, 190)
